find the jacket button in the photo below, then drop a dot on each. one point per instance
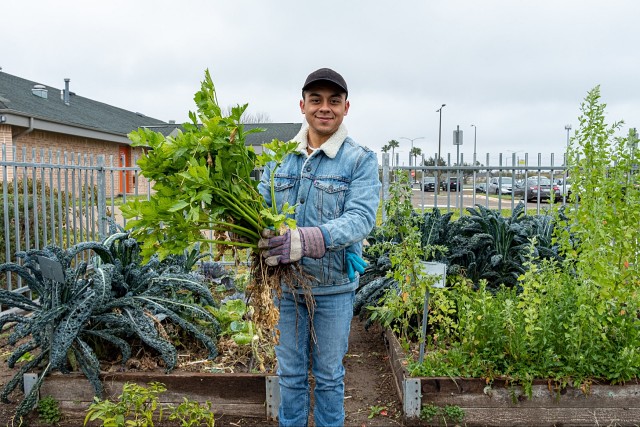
(308, 169)
(302, 201)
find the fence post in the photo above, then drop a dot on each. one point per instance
(385, 183)
(102, 198)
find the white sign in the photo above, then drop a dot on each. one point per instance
(457, 137)
(435, 269)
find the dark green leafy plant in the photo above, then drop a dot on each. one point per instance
(107, 302)
(503, 241)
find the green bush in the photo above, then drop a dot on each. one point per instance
(576, 317)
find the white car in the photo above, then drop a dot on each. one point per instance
(500, 185)
(565, 186)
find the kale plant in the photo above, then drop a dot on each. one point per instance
(112, 299)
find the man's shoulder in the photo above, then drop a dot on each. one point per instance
(352, 144)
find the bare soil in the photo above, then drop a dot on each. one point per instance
(370, 394)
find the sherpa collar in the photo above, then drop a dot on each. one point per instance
(331, 145)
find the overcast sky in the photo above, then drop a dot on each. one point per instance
(516, 69)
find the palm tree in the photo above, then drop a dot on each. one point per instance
(393, 144)
(386, 148)
(415, 152)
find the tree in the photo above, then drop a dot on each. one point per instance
(247, 117)
(393, 144)
(415, 152)
(432, 162)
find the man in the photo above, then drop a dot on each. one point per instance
(334, 184)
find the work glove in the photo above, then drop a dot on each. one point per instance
(354, 263)
(292, 245)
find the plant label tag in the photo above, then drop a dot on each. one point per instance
(435, 269)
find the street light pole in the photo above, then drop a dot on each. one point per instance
(439, 110)
(475, 136)
(411, 152)
(567, 127)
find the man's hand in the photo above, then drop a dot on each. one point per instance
(354, 263)
(292, 245)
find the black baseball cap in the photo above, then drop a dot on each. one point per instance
(326, 75)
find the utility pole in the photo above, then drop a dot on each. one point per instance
(439, 110)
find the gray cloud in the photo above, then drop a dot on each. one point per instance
(518, 70)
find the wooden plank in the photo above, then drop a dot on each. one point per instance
(396, 359)
(231, 394)
(234, 409)
(603, 396)
(549, 417)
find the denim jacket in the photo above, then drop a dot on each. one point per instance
(336, 188)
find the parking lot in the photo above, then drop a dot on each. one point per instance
(466, 198)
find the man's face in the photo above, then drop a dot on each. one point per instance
(324, 107)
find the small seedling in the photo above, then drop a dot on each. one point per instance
(49, 411)
(375, 411)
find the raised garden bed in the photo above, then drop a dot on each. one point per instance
(504, 404)
(242, 394)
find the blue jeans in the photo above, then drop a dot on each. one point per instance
(327, 344)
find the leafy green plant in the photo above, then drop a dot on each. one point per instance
(140, 406)
(452, 413)
(401, 306)
(49, 410)
(109, 304)
(502, 241)
(193, 414)
(572, 318)
(203, 181)
(136, 406)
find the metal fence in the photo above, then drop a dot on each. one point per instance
(55, 198)
(60, 198)
(471, 186)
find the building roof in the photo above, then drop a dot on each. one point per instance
(281, 131)
(31, 104)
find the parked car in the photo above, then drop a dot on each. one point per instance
(530, 189)
(481, 187)
(451, 185)
(429, 183)
(565, 186)
(500, 185)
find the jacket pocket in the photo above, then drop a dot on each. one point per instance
(330, 198)
(283, 187)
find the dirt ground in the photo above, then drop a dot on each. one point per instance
(369, 388)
